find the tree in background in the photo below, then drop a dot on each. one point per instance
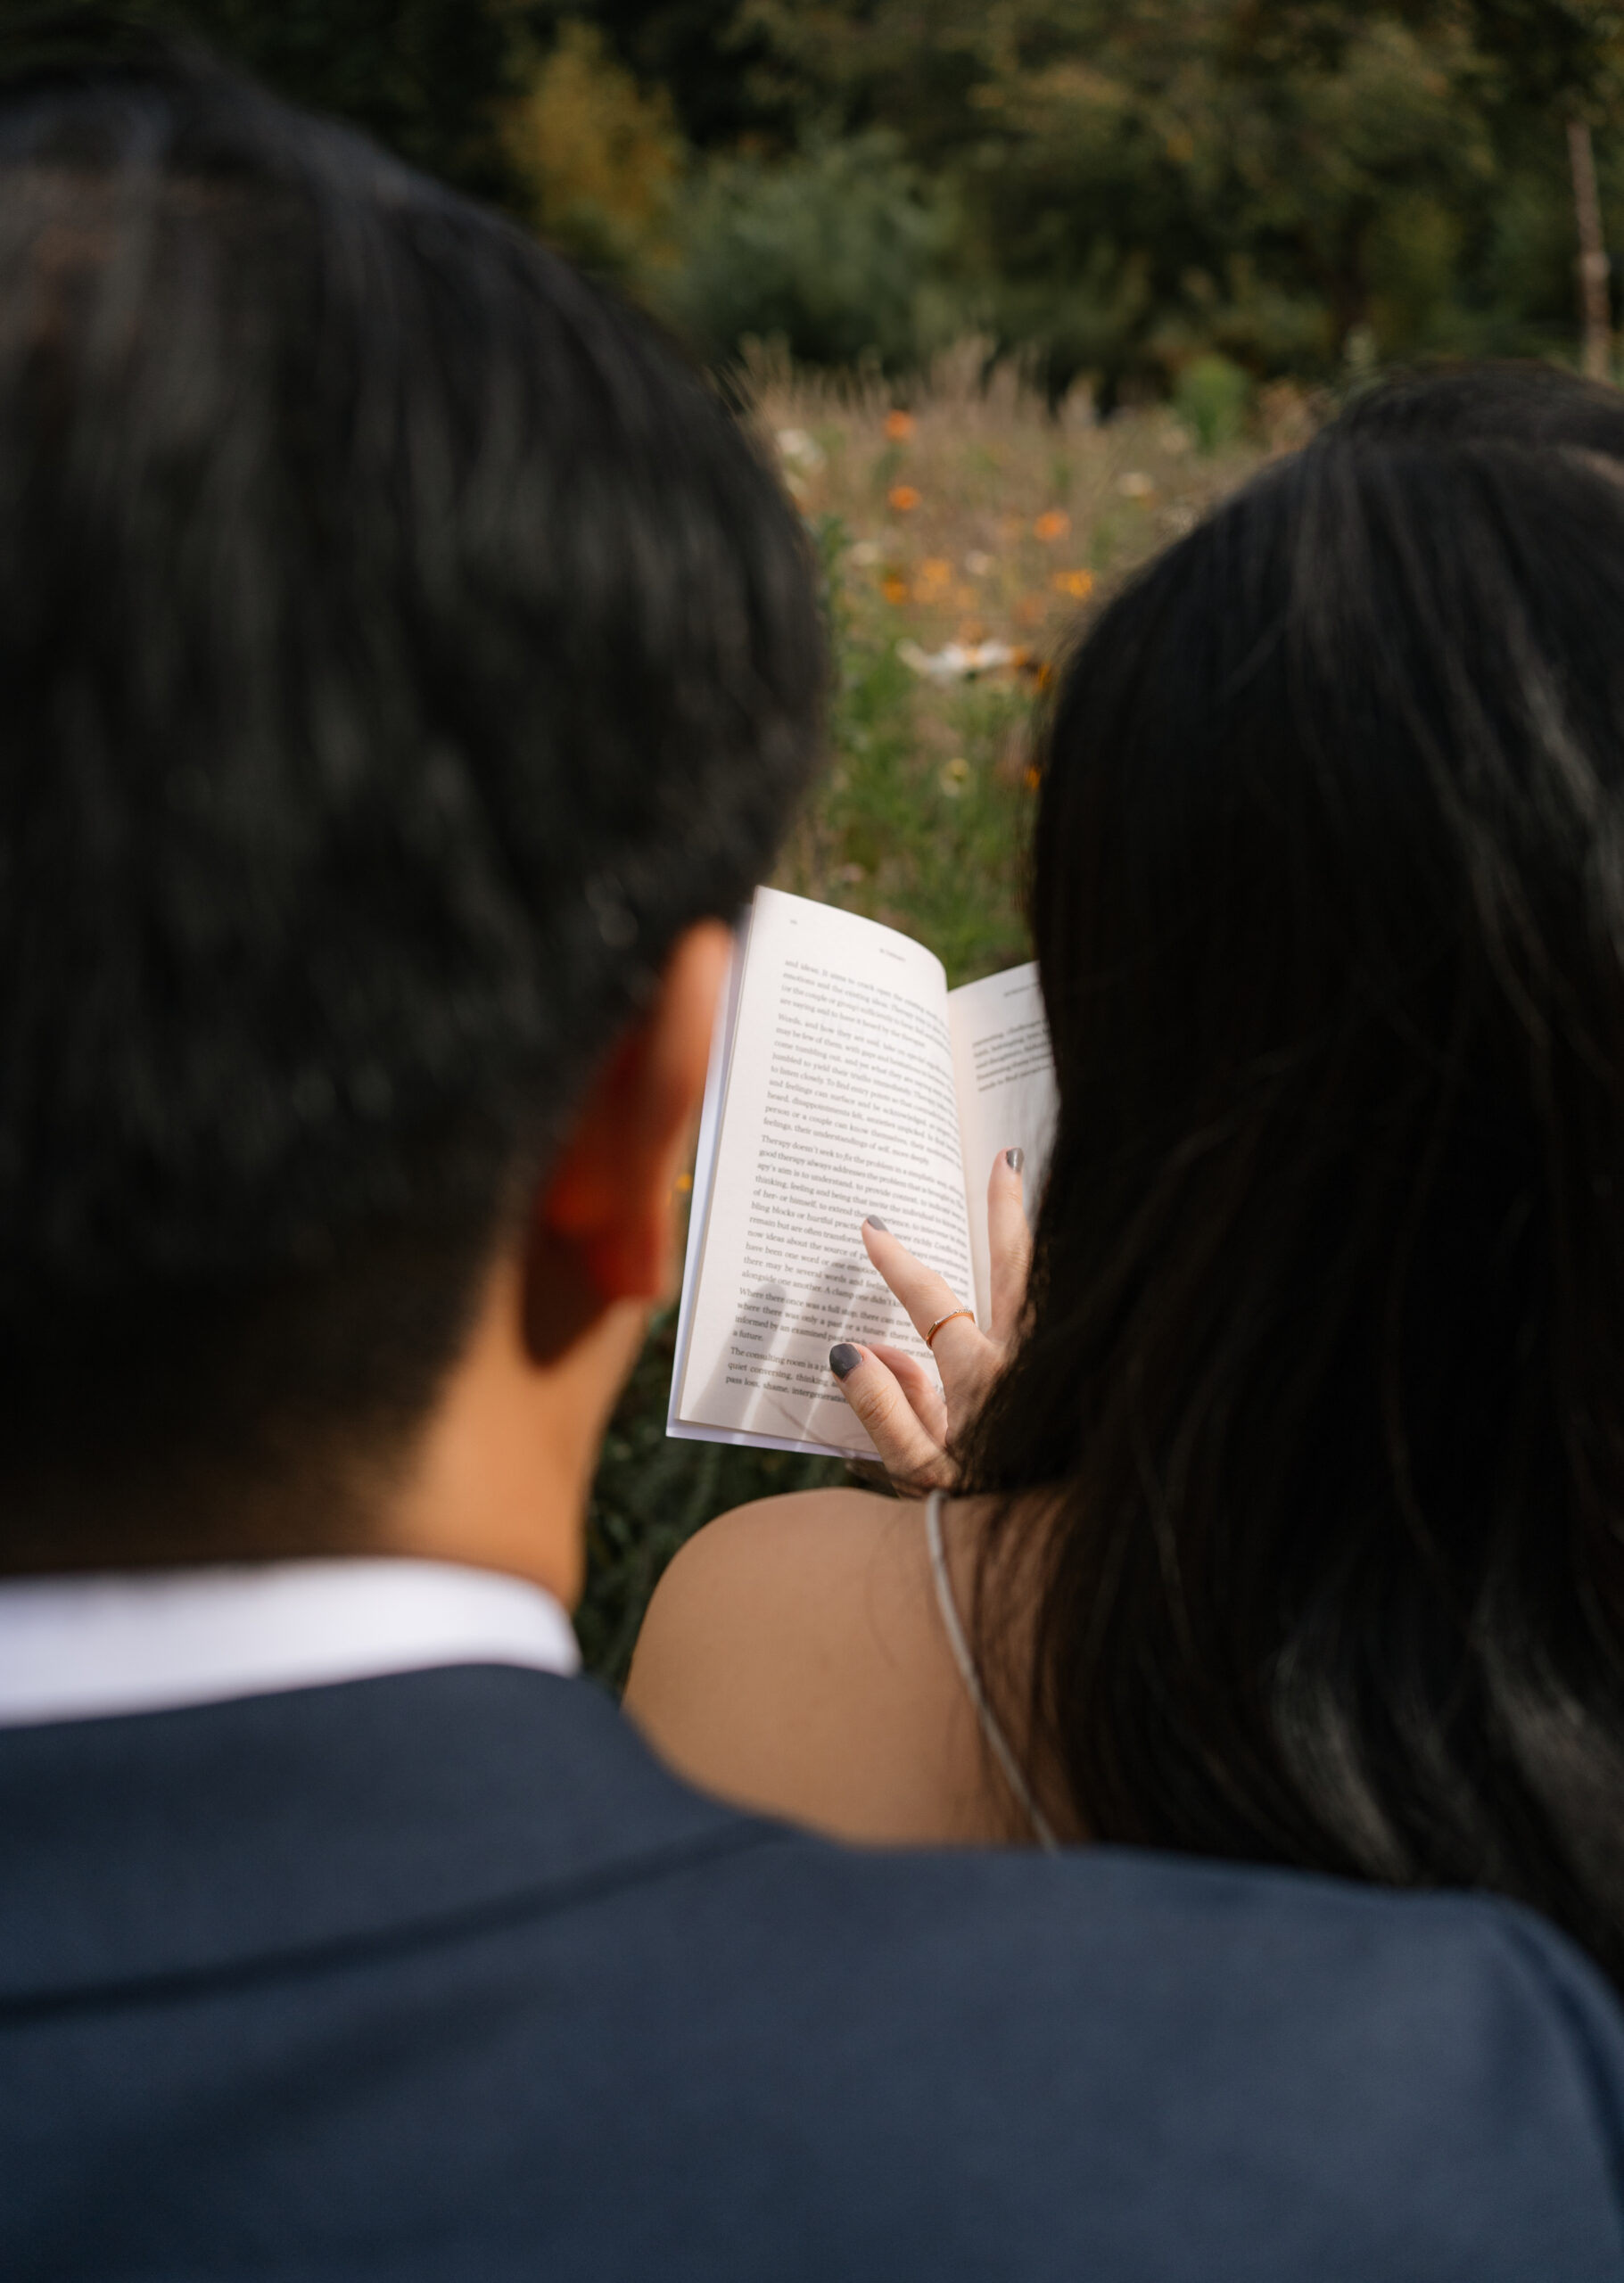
(1290, 180)
(1563, 61)
(1099, 187)
(1271, 183)
(598, 160)
(519, 102)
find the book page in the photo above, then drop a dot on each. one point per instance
(1005, 1078)
(837, 1102)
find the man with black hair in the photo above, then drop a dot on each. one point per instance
(408, 671)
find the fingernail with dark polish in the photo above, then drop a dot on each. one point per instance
(873, 1220)
(844, 1358)
(1015, 1159)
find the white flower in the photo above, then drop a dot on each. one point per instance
(956, 661)
(799, 450)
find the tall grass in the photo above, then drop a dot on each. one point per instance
(968, 516)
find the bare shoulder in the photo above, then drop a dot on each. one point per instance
(787, 1562)
(792, 1660)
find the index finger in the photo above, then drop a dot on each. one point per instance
(925, 1296)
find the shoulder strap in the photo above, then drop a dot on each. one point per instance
(998, 1742)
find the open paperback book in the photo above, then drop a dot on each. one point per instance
(845, 1079)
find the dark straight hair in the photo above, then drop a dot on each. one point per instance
(1321, 1396)
(400, 647)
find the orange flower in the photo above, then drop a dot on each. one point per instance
(1078, 584)
(935, 571)
(1055, 524)
(899, 426)
(903, 498)
(1033, 779)
(894, 589)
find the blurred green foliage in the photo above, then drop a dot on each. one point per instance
(1264, 178)
(838, 253)
(1109, 188)
(1211, 396)
(598, 160)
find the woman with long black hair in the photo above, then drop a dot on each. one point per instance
(1279, 1514)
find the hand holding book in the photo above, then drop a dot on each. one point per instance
(911, 1420)
(846, 1079)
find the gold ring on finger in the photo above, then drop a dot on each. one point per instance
(930, 1337)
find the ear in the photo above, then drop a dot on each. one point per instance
(608, 1214)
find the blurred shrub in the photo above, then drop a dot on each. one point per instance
(839, 252)
(1211, 397)
(602, 161)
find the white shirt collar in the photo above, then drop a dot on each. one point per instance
(82, 1648)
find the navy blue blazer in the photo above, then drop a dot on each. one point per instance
(442, 1976)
